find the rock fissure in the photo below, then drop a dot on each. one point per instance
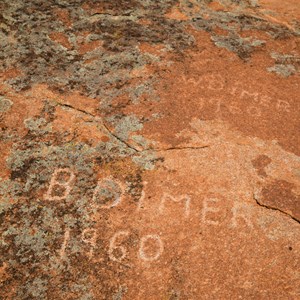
(75, 108)
(128, 144)
(102, 123)
(182, 148)
(274, 208)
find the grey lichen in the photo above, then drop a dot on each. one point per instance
(126, 125)
(243, 47)
(100, 72)
(38, 125)
(283, 70)
(285, 64)
(146, 160)
(120, 293)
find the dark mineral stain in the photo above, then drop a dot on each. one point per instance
(279, 195)
(260, 162)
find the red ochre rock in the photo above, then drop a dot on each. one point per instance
(149, 149)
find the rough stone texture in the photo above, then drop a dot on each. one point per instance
(149, 149)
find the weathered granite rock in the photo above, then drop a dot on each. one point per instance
(150, 149)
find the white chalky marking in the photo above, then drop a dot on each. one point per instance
(105, 183)
(113, 247)
(62, 252)
(249, 95)
(176, 199)
(141, 201)
(241, 211)
(89, 236)
(160, 248)
(254, 111)
(54, 182)
(283, 106)
(209, 209)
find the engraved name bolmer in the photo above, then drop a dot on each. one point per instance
(63, 179)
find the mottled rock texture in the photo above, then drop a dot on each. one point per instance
(149, 149)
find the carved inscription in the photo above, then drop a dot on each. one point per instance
(108, 195)
(145, 255)
(256, 103)
(60, 184)
(184, 198)
(89, 236)
(114, 247)
(209, 208)
(241, 211)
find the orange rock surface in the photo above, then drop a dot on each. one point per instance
(150, 149)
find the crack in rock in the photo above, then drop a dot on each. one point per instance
(256, 198)
(182, 148)
(102, 123)
(125, 142)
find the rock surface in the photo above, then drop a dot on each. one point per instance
(150, 149)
